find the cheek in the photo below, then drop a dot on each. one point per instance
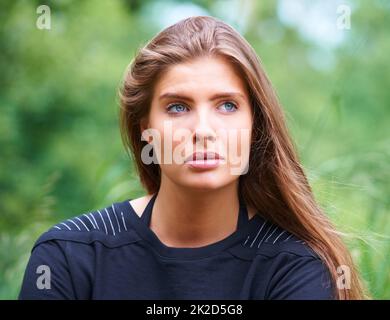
(238, 136)
(245, 128)
(172, 145)
(238, 148)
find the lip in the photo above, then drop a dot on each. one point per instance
(203, 155)
(204, 164)
(204, 160)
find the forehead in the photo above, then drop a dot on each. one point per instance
(205, 74)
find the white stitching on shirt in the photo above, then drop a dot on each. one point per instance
(116, 217)
(90, 221)
(271, 234)
(108, 215)
(123, 220)
(265, 222)
(66, 225)
(105, 227)
(258, 246)
(278, 236)
(74, 224)
(93, 217)
(82, 223)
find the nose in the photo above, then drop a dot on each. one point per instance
(203, 131)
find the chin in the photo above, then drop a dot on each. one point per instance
(204, 183)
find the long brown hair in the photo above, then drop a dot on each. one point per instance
(275, 183)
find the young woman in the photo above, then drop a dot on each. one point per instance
(228, 214)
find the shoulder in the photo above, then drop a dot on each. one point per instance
(268, 239)
(71, 249)
(289, 266)
(109, 225)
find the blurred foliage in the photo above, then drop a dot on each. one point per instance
(61, 153)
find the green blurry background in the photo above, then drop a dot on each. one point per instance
(60, 147)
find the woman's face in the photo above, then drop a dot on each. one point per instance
(201, 121)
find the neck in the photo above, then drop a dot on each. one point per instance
(192, 218)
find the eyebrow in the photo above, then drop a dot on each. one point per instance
(221, 95)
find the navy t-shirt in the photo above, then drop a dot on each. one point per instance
(113, 254)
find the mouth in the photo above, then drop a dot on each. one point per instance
(204, 156)
(204, 160)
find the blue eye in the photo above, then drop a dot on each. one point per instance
(180, 108)
(176, 108)
(229, 106)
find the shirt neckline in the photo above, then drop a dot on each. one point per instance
(142, 227)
